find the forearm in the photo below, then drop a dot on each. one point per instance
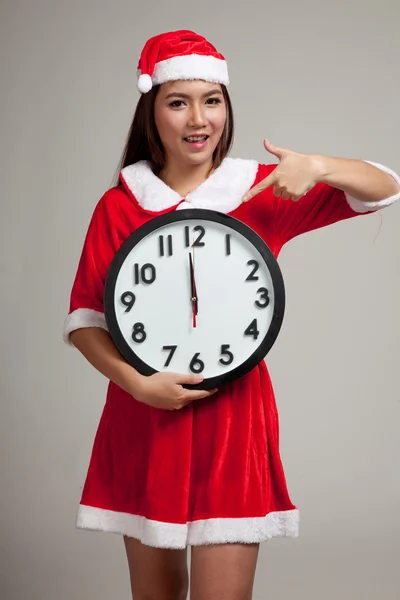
(98, 348)
(356, 178)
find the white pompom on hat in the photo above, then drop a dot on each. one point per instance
(179, 55)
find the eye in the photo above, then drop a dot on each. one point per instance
(214, 101)
(176, 103)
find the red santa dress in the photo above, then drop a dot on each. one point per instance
(211, 472)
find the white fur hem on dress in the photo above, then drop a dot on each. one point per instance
(158, 534)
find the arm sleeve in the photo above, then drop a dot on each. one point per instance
(106, 231)
(322, 206)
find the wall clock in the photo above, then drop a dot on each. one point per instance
(194, 291)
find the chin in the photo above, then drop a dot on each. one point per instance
(200, 158)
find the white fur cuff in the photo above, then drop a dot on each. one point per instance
(363, 207)
(82, 317)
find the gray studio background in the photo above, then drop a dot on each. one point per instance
(314, 76)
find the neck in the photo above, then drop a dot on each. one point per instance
(183, 179)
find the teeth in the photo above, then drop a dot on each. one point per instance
(196, 138)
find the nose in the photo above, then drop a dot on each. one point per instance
(197, 116)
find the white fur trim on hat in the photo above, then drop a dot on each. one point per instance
(193, 66)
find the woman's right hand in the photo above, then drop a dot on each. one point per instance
(165, 390)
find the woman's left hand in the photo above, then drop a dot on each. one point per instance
(295, 175)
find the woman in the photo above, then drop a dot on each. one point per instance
(173, 467)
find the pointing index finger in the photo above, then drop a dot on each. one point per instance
(263, 185)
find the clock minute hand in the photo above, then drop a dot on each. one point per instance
(195, 295)
(193, 289)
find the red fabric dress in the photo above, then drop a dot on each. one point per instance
(211, 472)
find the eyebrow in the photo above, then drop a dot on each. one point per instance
(187, 97)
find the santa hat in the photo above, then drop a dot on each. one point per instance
(179, 55)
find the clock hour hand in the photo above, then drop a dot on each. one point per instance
(193, 290)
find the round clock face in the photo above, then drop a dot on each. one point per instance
(194, 291)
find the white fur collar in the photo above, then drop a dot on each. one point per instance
(222, 191)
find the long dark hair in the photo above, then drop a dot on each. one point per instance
(144, 143)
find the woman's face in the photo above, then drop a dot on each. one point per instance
(190, 118)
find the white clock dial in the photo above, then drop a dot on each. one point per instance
(234, 301)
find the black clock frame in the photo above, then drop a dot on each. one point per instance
(185, 215)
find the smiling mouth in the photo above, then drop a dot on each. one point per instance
(196, 139)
